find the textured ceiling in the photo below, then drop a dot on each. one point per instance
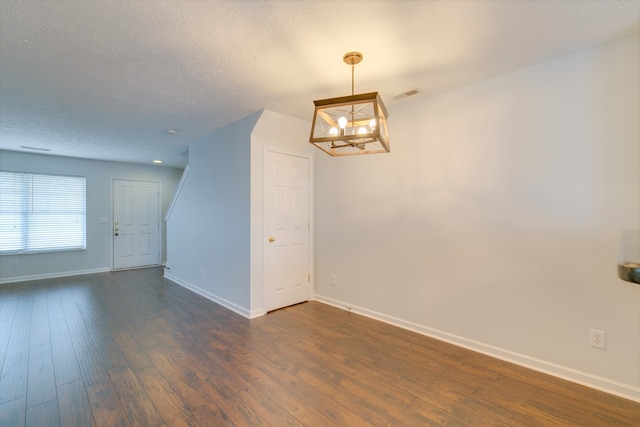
(104, 79)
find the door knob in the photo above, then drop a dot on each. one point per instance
(272, 239)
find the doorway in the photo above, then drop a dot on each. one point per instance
(136, 224)
(287, 227)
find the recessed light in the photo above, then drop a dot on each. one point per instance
(171, 131)
(157, 162)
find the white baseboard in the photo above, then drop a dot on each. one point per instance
(257, 313)
(208, 295)
(18, 279)
(626, 391)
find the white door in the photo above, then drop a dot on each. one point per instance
(136, 225)
(287, 229)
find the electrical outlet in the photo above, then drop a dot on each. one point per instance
(200, 271)
(14, 263)
(334, 279)
(598, 339)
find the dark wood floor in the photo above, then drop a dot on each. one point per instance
(132, 349)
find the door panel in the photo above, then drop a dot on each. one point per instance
(287, 260)
(136, 225)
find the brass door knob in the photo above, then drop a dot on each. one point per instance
(272, 239)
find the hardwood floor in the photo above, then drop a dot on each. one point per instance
(132, 349)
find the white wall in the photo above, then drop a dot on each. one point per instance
(97, 256)
(495, 221)
(209, 225)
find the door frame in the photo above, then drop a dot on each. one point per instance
(311, 204)
(111, 225)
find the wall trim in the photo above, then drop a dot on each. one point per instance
(18, 279)
(623, 390)
(208, 295)
(257, 312)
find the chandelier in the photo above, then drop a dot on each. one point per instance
(350, 125)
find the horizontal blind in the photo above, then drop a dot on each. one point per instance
(51, 210)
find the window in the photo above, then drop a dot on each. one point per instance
(41, 212)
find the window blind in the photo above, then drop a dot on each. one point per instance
(42, 212)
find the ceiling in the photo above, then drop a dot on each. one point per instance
(105, 79)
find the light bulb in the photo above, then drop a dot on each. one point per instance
(333, 131)
(342, 122)
(362, 130)
(372, 125)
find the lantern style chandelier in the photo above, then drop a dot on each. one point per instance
(350, 125)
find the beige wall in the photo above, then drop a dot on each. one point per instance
(495, 221)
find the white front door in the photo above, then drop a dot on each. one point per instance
(136, 224)
(287, 229)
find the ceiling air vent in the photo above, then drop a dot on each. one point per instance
(406, 94)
